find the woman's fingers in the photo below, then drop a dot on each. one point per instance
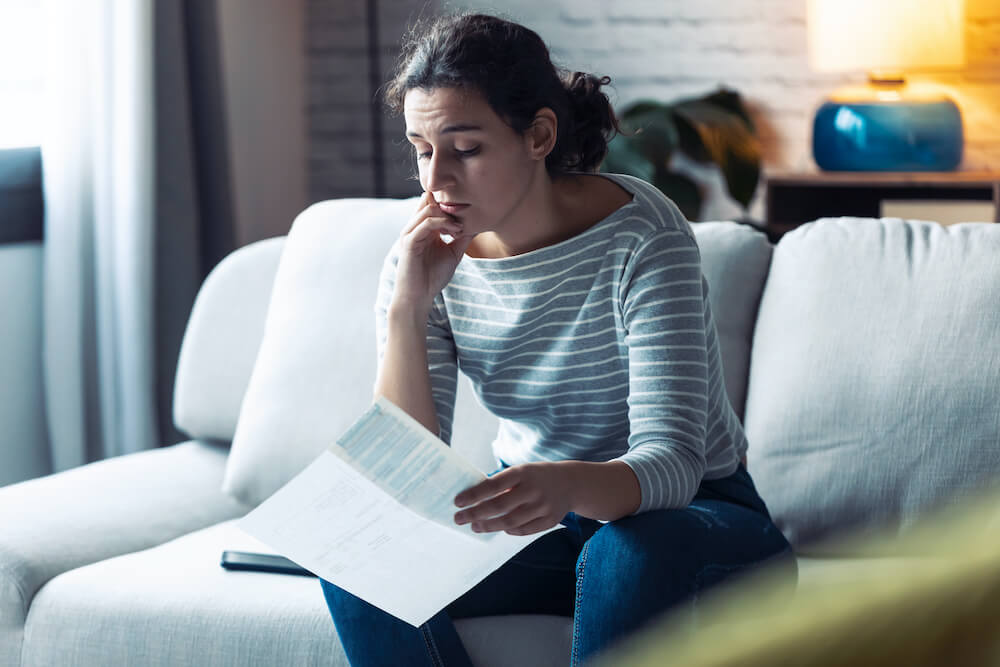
(536, 526)
(427, 256)
(426, 213)
(489, 487)
(496, 506)
(430, 228)
(520, 500)
(517, 519)
(460, 245)
(426, 208)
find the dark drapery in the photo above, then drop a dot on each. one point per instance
(194, 208)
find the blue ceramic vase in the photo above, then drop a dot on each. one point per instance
(875, 135)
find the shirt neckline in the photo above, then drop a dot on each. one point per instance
(618, 179)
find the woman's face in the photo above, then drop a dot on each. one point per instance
(477, 167)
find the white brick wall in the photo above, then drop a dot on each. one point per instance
(662, 49)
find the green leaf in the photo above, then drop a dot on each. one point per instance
(626, 157)
(713, 132)
(713, 129)
(731, 100)
(682, 190)
(640, 108)
(652, 127)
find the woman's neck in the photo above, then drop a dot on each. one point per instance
(535, 222)
(560, 209)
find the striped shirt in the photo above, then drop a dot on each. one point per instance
(601, 347)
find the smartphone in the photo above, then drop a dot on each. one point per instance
(245, 560)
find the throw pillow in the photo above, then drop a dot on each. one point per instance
(734, 261)
(875, 375)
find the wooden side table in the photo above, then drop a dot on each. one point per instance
(796, 198)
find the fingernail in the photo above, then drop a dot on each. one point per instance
(459, 501)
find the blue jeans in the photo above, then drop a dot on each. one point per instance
(611, 578)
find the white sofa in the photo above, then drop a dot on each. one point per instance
(863, 356)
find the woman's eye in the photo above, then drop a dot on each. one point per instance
(426, 155)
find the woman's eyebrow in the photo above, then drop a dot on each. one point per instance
(450, 128)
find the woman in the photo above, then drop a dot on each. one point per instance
(575, 303)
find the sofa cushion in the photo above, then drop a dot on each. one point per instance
(221, 341)
(174, 605)
(734, 261)
(315, 370)
(875, 375)
(53, 524)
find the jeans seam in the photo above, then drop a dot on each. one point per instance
(575, 651)
(432, 650)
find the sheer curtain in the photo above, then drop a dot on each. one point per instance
(138, 199)
(98, 180)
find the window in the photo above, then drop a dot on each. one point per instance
(22, 63)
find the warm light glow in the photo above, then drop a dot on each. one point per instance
(888, 95)
(871, 34)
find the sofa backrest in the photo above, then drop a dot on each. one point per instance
(875, 376)
(735, 259)
(227, 322)
(221, 340)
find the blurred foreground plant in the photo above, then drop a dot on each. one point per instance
(713, 129)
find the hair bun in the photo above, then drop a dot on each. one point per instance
(592, 122)
(583, 84)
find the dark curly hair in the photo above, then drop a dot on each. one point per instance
(510, 66)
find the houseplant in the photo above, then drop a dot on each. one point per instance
(712, 129)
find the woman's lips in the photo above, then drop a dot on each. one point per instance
(452, 208)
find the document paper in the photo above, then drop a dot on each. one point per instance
(374, 515)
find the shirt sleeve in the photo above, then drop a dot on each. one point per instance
(662, 302)
(442, 359)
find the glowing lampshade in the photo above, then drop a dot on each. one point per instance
(886, 34)
(887, 126)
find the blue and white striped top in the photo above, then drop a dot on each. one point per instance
(597, 348)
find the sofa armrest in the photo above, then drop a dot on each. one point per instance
(120, 505)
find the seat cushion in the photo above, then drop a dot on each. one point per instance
(53, 524)
(174, 605)
(875, 375)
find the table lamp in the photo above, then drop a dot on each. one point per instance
(888, 125)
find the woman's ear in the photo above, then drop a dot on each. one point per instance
(541, 135)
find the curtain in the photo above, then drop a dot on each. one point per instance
(195, 222)
(97, 152)
(124, 245)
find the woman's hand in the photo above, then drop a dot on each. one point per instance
(426, 262)
(520, 500)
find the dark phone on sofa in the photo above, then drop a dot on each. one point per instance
(245, 560)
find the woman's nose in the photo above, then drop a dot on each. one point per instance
(438, 174)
